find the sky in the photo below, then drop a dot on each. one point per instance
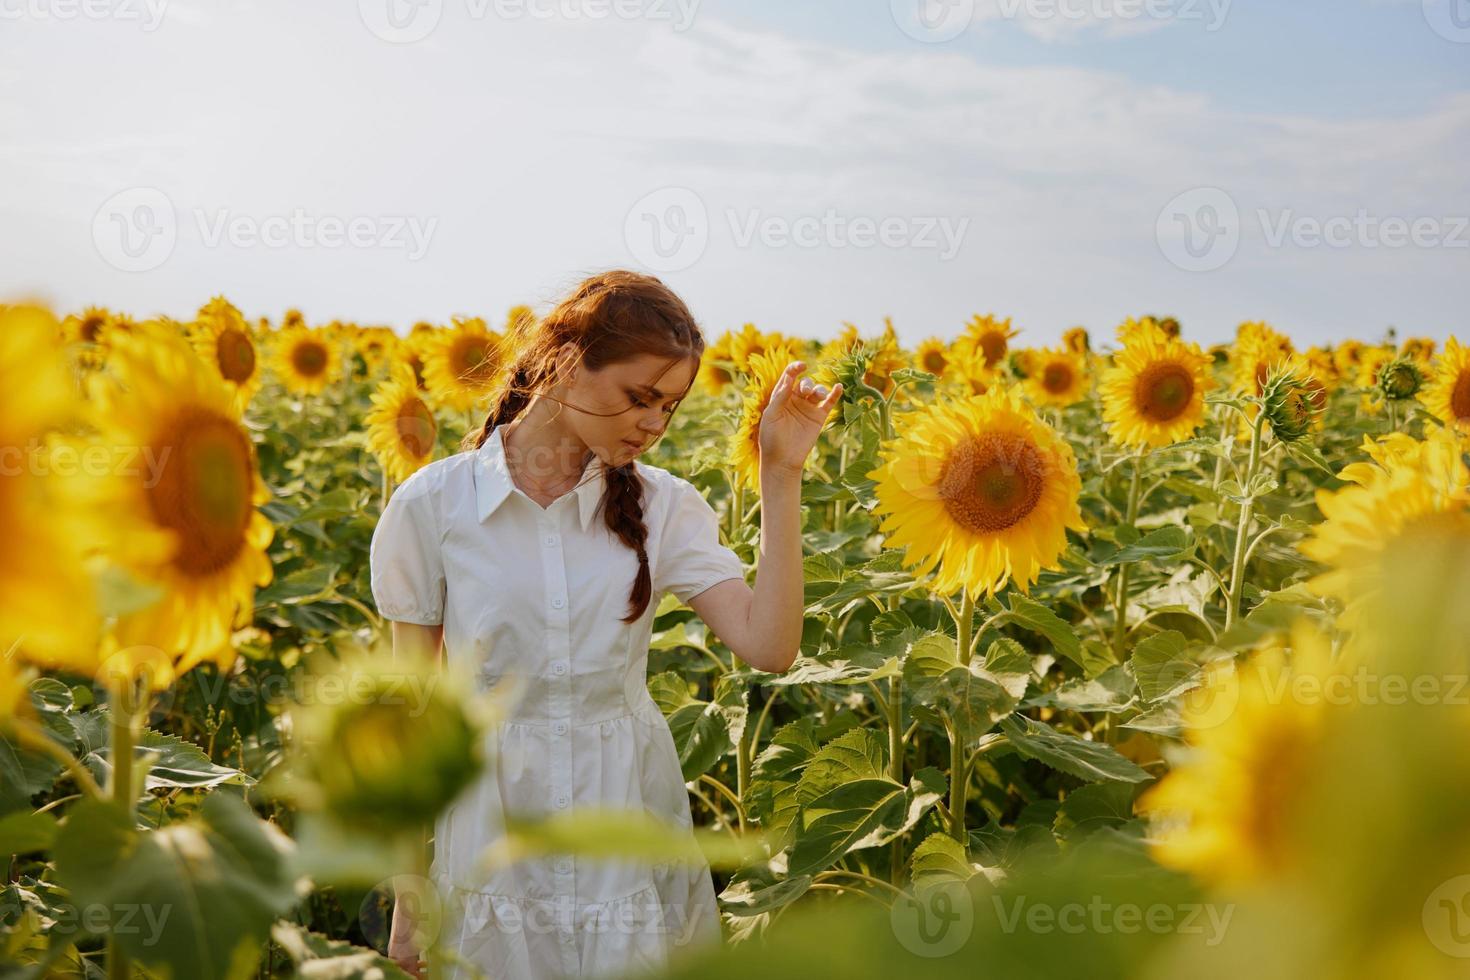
(796, 164)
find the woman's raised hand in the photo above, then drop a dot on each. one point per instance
(794, 418)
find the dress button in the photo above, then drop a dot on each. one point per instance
(564, 865)
(558, 602)
(560, 667)
(550, 540)
(560, 728)
(562, 801)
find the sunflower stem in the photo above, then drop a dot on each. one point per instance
(737, 506)
(124, 698)
(964, 624)
(957, 781)
(838, 505)
(1120, 623)
(1243, 530)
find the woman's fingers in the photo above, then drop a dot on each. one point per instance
(782, 391)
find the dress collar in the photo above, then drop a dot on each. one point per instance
(493, 483)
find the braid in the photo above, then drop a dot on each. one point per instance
(622, 508)
(514, 398)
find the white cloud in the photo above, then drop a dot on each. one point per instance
(529, 142)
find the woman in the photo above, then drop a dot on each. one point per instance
(539, 555)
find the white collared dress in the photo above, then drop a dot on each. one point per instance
(533, 598)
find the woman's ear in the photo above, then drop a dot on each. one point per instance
(565, 362)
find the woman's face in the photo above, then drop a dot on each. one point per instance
(626, 405)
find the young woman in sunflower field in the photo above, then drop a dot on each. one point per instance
(538, 555)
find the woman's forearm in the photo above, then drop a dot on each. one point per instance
(776, 609)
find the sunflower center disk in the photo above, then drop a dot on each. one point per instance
(1056, 378)
(1163, 392)
(203, 492)
(1460, 397)
(473, 362)
(236, 355)
(309, 359)
(416, 428)
(992, 483)
(934, 362)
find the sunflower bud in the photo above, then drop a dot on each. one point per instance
(1291, 403)
(388, 744)
(1399, 379)
(1076, 340)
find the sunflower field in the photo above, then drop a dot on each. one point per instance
(1123, 658)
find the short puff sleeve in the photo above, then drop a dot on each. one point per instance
(406, 564)
(691, 557)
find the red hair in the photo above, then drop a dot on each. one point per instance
(610, 317)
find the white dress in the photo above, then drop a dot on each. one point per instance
(534, 598)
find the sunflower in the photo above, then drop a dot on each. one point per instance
(1058, 378)
(1233, 810)
(1408, 484)
(224, 342)
(968, 373)
(1294, 400)
(89, 334)
(188, 501)
(1075, 339)
(45, 520)
(1154, 394)
(1132, 329)
(841, 345)
(1418, 349)
(376, 346)
(400, 426)
(306, 359)
(716, 367)
(887, 357)
(464, 365)
(1371, 363)
(762, 373)
(1447, 393)
(987, 336)
(415, 348)
(981, 488)
(1257, 349)
(750, 341)
(932, 355)
(1322, 367)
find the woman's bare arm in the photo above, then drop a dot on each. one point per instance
(413, 640)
